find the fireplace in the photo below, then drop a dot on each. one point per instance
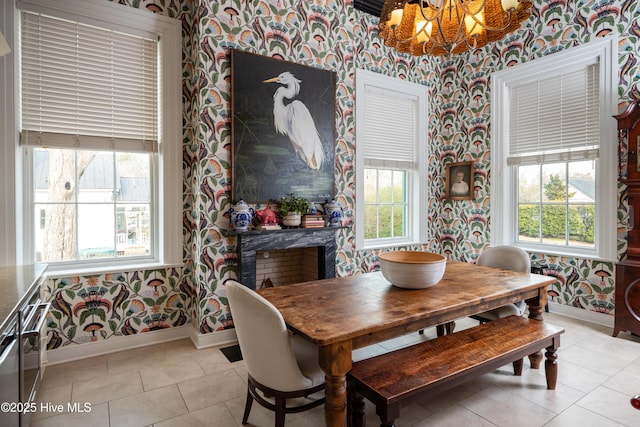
(286, 266)
(249, 243)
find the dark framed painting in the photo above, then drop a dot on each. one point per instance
(283, 129)
(459, 181)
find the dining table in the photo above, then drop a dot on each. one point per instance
(341, 314)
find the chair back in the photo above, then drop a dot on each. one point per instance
(506, 257)
(264, 340)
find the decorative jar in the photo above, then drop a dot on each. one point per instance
(241, 215)
(333, 213)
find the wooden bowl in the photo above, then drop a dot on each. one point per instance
(412, 269)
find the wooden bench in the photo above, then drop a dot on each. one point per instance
(396, 379)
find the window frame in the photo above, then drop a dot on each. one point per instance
(417, 196)
(167, 188)
(504, 186)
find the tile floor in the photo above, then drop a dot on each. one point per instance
(173, 385)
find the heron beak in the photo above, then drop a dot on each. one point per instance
(273, 80)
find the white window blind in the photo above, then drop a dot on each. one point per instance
(555, 119)
(390, 128)
(87, 88)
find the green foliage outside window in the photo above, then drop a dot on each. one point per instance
(556, 189)
(556, 219)
(581, 222)
(384, 208)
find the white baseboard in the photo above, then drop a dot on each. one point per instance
(227, 336)
(82, 351)
(582, 314)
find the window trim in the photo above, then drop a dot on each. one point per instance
(168, 206)
(8, 141)
(417, 178)
(503, 189)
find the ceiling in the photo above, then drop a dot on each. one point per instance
(374, 7)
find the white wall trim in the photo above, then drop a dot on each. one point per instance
(227, 336)
(8, 137)
(115, 344)
(581, 314)
(82, 351)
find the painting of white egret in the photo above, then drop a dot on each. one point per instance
(283, 129)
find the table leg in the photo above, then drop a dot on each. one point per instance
(335, 361)
(535, 359)
(536, 308)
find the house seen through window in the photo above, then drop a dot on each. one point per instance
(110, 213)
(101, 170)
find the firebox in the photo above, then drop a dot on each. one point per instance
(250, 242)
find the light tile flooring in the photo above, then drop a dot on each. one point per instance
(173, 385)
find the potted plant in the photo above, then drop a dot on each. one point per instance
(292, 208)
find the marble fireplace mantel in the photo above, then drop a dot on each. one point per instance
(252, 241)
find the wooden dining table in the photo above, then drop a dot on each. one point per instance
(342, 314)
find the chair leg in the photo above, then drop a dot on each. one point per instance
(355, 409)
(450, 326)
(281, 402)
(445, 329)
(247, 405)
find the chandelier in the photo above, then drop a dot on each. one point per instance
(441, 27)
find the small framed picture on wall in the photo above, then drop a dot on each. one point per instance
(459, 181)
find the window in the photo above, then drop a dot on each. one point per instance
(554, 154)
(99, 135)
(390, 161)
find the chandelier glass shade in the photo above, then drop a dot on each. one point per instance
(442, 27)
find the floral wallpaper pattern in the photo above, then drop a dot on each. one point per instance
(332, 35)
(89, 308)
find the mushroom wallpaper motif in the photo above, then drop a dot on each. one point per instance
(91, 308)
(332, 35)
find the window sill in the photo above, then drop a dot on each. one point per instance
(385, 245)
(549, 250)
(66, 271)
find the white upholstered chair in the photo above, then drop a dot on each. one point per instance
(279, 365)
(508, 258)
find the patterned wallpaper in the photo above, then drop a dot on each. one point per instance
(332, 35)
(98, 307)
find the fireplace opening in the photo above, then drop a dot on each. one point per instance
(286, 266)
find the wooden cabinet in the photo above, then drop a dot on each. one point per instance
(627, 297)
(627, 300)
